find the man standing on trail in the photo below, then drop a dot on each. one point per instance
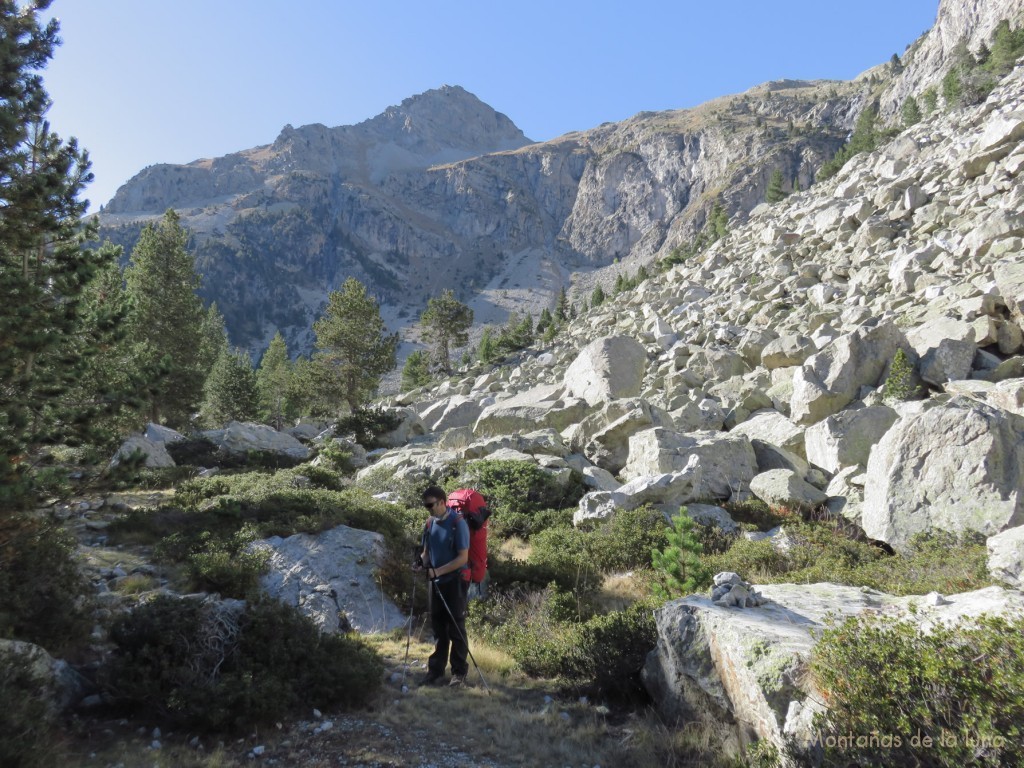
(445, 556)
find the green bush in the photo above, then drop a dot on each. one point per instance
(518, 487)
(367, 425)
(549, 635)
(227, 565)
(525, 524)
(566, 552)
(531, 627)
(823, 551)
(335, 454)
(900, 383)
(612, 650)
(42, 591)
(625, 540)
(959, 686)
(409, 492)
(228, 666)
(27, 720)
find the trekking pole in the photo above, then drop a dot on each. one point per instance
(408, 640)
(437, 591)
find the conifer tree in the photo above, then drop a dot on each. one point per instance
(545, 320)
(446, 322)
(167, 319)
(354, 349)
(43, 268)
(274, 382)
(597, 297)
(486, 351)
(911, 112)
(230, 393)
(416, 371)
(213, 338)
(562, 306)
(110, 394)
(775, 192)
(677, 568)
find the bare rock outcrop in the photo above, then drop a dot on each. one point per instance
(956, 467)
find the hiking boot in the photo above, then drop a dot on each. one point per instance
(431, 678)
(457, 681)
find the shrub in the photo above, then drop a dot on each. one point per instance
(518, 487)
(334, 453)
(566, 552)
(611, 652)
(227, 565)
(531, 627)
(42, 591)
(27, 720)
(899, 385)
(524, 525)
(222, 666)
(823, 551)
(625, 541)
(368, 425)
(960, 686)
(409, 492)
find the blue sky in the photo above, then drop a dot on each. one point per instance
(148, 81)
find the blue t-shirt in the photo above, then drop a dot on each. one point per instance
(445, 538)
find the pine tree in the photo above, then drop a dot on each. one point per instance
(486, 351)
(416, 371)
(1007, 45)
(355, 350)
(230, 393)
(545, 320)
(213, 338)
(111, 392)
(446, 322)
(274, 382)
(677, 568)
(43, 268)
(775, 192)
(562, 306)
(911, 112)
(719, 221)
(597, 297)
(167, 318)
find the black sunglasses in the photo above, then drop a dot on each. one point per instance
(431, 504)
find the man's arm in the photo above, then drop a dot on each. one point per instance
(452, 565)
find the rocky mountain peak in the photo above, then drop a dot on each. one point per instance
(927, 60)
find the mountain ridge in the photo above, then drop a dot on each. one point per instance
(504, 221)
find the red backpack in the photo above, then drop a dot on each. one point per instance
(473, 508)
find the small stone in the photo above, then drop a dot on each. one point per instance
(259, 750)
(935, 599)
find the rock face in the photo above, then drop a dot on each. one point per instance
(155, 453)
(743, 672)
(239, 437)
(442, 184)
(330, 578)
(955, 467)
(1006, 556)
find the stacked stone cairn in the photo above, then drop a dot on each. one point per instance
(731, 591)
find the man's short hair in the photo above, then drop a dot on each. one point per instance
(435, 492)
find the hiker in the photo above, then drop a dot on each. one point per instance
(445, 555)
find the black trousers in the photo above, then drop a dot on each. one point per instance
(449, 628)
